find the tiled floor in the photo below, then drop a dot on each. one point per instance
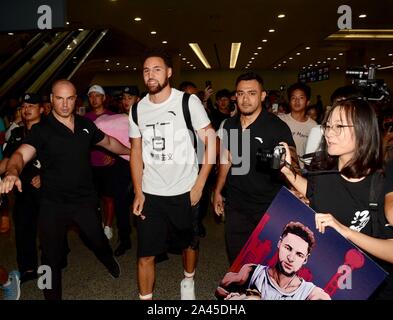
(86, 278)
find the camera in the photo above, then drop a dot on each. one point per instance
(273, 157)
(232, 105)
(364, 79)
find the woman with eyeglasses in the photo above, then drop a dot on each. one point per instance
(346, 190)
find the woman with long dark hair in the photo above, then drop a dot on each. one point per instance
(346, 190)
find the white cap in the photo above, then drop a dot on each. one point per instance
(96, 88)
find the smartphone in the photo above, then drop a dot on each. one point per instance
(208, 83)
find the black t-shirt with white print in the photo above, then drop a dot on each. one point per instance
(253, 190)
(347, 201)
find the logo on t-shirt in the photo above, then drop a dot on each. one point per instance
(87, 131)
(360, 220)
(259, 139)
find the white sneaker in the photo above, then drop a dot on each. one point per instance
(187, 290)
(108, 232)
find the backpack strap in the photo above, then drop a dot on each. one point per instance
(376, 187)
(187, 118)
(134, 113)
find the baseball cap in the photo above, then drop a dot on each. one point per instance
(131, 90)
(96, 88)
(32, 98)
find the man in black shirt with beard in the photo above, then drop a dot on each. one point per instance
(251, 185)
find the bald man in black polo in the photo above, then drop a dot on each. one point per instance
(62, 143)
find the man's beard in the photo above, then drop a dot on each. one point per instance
(158, 88)
(281, 270)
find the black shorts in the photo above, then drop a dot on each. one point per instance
(168, 225)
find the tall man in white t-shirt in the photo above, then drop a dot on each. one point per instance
(164, 171)
(299, 95)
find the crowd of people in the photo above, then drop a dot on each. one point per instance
(162, 156)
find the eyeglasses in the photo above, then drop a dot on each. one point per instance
(337, 128)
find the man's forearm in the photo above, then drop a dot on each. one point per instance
(136, 167)
(15, 164)
(115, 146)
(223, 170)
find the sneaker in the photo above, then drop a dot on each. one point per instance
(4, 224)
(187, 290)
(12, 288)
(108, 232)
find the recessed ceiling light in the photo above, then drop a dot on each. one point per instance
(188, 62)
(334, 58)
(74, 57)
(252, 58)
(275, 68)
(329, 59)
(137, 19)
(108, 69)
(308, 48)
(264, 40)
(134, 69)
(183, 58)
(290, 58)
(250, 61)
(80, 29)
(341, 54)
(280, 16)
(191, 65)
(127, 67)
(272, 30)
(372, 59)
(179, 54)
(194, 68)
(255, 53)
(259, 48)
(165, 42)
(362, 16)
(67, 23)
(319, 62)
(379, 66)
(338, 68)
(153, 32)
(304, 67)
(107, 60)
(118, 63)
(279, 64)
(310, 64)
(298, 53)
(10, 33)
(390, 54)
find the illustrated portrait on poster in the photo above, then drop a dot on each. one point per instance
(287, 258)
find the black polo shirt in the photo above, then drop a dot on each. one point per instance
(64, 155)
(254, 190)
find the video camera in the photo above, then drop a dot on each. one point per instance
(274, 157)
(364, 79)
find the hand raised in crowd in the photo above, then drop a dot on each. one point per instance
(8, 183)
(208, 93)
(36, 182)
(137, 206)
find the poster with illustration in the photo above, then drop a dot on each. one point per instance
(286, 258)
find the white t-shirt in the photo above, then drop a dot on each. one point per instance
(170, 163)
(300, 131)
